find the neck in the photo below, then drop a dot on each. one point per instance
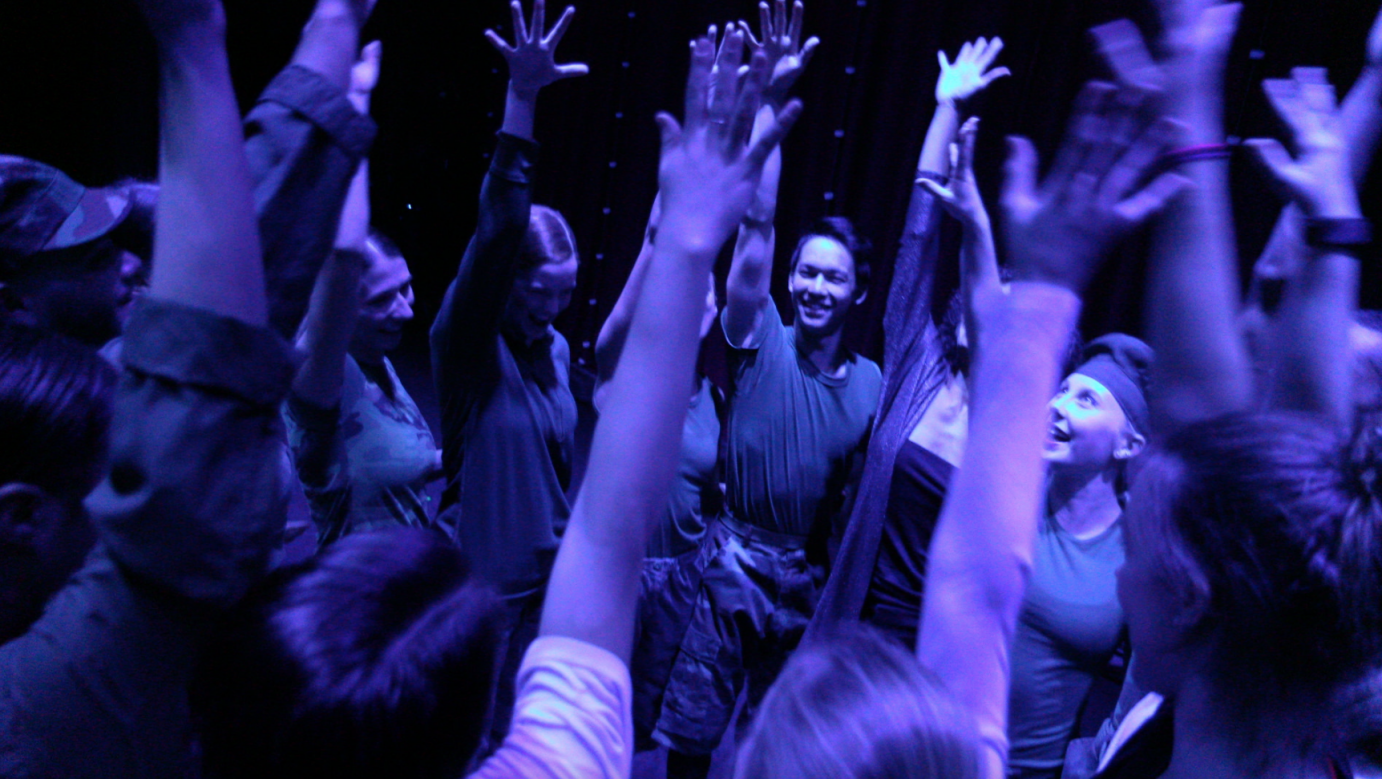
(1085, 503)
(1215, 740)
(826, 352)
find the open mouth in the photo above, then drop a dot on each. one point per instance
(1057, 435)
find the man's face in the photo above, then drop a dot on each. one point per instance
(539, 296)
(822, 286)
(83, 292)
(386, 305)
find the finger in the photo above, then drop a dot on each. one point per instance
(1019, 173)
(752, 42)
(1139, 158)
(991, 53)
(750, 98)
(559, 29)
(520, 27)
(774, 133)
(1153, 197)
(1285, 99)
(964, 162)
(941, 193)
(498, 42)
(966, 52)
(981, 45)
(944, 61)
(1083, 130)
(794, 31)
(779, 19)
(1118, 126)
(994, 75)
(571, 70)
(1121, 46)
(669, 129)
(722, 102)
(808, 50)
(1316, 91)
(539, 25)
(1275, 160)
(765, 22)
(698, 81)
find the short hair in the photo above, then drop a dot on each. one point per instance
(1268, 517)
(841, 230)
(858, 705)
(386, 245)
(55, 411)
(374, 658)
(548, 239)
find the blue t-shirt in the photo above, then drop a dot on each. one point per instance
(793, 432)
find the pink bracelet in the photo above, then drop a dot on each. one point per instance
(1207, 151)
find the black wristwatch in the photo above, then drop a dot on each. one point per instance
(1339, 235)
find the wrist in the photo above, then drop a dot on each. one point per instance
(1341, 235)
(1342, 204)
(523, 93)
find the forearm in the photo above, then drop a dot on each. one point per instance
(978, 269)
(1313, 360)
(1360, 121)
(610, 343)
(748, 285)
(1193, 290)
(329, 42)
(633, 455)
(935, 150)
(981, 553)
(207, 249)
(327, 330)
(520, 113)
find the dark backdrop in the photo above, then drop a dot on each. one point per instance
(78, 92)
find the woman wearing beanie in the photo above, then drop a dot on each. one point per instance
(1071, 622)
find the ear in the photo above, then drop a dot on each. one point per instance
(1133, 443)
(22, 508)
(861, 296)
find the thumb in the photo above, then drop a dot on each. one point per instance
(671, 131)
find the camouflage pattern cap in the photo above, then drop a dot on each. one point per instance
(42, 209)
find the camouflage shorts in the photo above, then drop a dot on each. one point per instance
(757, 594)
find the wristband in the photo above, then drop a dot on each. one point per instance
(1341, 235)
(1207, 151)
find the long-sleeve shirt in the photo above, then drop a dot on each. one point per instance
(913, 371)
(508, 416)
(304, 141)
(185, 521)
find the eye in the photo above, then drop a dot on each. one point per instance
(1088, 399)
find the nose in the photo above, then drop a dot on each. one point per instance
(130, 265)
(402, 309)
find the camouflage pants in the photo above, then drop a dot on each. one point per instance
(757, 594)
(667, 602)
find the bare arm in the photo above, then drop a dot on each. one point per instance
(610, 343)
(1309, 342)
(981, 553)
(334, 308)
(707, 179)
(207, 250)
(1192, 285)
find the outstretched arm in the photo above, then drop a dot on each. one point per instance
(331, 316)
(465, 328)
(981, 553)
(748, 285)
(610, 343)
(1309, 343)
(1192, 285)
(707, 179)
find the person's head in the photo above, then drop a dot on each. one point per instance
(55, 407)
(374, 658)
(829, 274)
(1254, 556)
(858, 706)
(1099, 415)
(547, 266)
(60, 267)
(386, 300)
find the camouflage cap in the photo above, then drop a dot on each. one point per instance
(42, 209)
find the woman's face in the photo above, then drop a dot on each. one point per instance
(1087, 426)
(539, 296)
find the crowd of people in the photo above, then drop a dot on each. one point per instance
(919, 568)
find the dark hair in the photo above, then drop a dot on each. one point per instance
(548, 239)
(1268, 517)
(841, 230)
(374, 658)
(55, 408)
(858, 705)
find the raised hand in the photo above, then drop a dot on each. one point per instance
(1318, 178)
(961, 199)
(781, 42)
(969, 74)
(532, 57)
(364, 75)
(1058, 230)
(709, 172)
(1196, 40)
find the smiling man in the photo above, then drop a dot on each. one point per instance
(800, 410)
